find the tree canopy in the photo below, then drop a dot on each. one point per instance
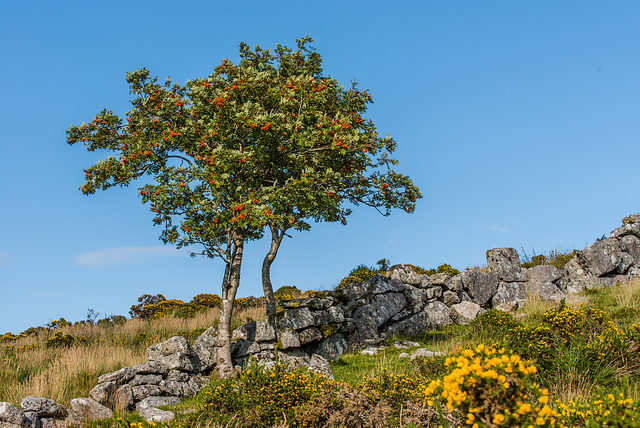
(269, 142)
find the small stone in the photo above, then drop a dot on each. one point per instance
(157, 415)
(44, 407)
(151, 402)
(90, 410)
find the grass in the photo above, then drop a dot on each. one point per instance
(586, 353)
(31, 366)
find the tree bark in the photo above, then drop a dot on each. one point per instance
(229, 288)
(270, 302)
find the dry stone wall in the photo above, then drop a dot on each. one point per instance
(312, 331)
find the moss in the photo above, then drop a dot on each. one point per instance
(328, 329)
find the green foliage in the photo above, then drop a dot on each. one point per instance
(287, 290)
(359, 274)
(58, 323)
(112, 320)
(557, 258)
(141, 310)
(60, 340)
(208, 300)
(189, 310)
(445, 268)
(383, 265)
(259, 397)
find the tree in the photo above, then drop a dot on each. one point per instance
(269, 142)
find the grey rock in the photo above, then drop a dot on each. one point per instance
(450, 298)
(34, 419)
(424, 353)
(442, 280)
(404, 344)
(157, 415)
(412, 326)
(576, 268)
(627, 229)
(365, 326)
(151, 402)
(123, 398)
(350, 292)
(176, 353)
(9, 414)
(385, 306)
(143, 391)
(205, 348)
(631, 245)
(371, 350)
(506, 263)
(465, 312)
(542, 273)
(149, 379)
(288, 338)
(297, 319)
(178, 376)
(509, 295)
(43, 407)
(320, 317)
(480, 286)
(433, 292)
(121, 376)
(151, 367)
(331, 348)
(102, 392)
(438, 314)
(241, 348)
(630, 219)
(310, 335)
(603, 257)
(320, 365)
(178, 389)
(626, 262)
(541, 282)
(456, 285)
(257, 331)
(89, 410)
(545, 291)
(336, 315)
(405, 274)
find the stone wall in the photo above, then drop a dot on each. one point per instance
(314, 330)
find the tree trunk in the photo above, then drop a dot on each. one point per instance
(276, 239)
(229, 288)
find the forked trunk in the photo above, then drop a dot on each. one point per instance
(270, 301)
(229, 288)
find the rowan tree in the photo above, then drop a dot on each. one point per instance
(270, 142)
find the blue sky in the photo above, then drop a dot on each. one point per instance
(517, 120)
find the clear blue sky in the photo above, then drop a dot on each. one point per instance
(519, 121)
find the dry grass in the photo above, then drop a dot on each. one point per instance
(29, 367)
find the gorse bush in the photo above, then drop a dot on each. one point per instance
(491, 387)
(208, 300)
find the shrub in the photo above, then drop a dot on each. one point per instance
(140, 310)
(287, 290)
(164, 308)
(60, 340)
(259, 397)
(189, 310)
(604, 410)
(208, 300)
(491, 387)
(359, 274)
(8, 337)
